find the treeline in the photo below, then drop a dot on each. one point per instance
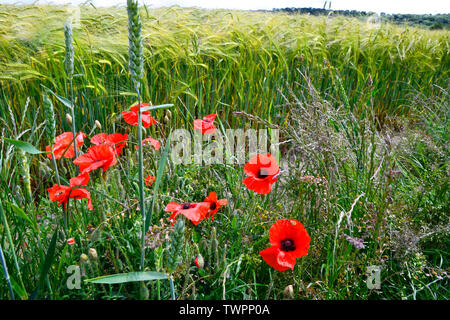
(431, 21)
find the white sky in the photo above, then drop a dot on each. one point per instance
(388, 6)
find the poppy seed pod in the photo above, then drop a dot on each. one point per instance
(98, 124)
(84, 258)
(166, 119)
(69, 119)
(289, 292)
(93, 254)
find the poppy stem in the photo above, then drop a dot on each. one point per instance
(55, 165)
(65, 220)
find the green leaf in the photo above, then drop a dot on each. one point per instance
(129, 277)
(18, 289)
(63, 100)
(47, 264)
(162, 106)
(24, 146)
(23, 215)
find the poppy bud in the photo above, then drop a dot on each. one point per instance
(98, 124)
(199, 261)
(93, 254)
(84, 258)
(166, 119)
(289, 292)
(69, 119)
(71, 241)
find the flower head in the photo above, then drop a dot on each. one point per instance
(289, 240)
(98, 156)
(62, 194)
(131, 116)
(262, 171)
(206, 125)
(155, 143)
(81, 180)
(195, 212)
(115, 140)
(214, 204)
(149, 180)
(63, 145)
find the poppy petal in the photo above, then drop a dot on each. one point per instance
(257, 185)
(270, 256)
(172, 206)
(223, 202)
(286, 259)
(80, 180)
(210, 117)
(99, 138)
(198, 124)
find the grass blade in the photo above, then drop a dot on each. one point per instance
(46, 266)
(129, 277)
(24, 146)
(162, 106)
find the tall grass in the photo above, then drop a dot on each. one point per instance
(215, 60)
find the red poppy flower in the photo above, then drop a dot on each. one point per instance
(116, 140)
(194, 212)
(81, 180)
(206, 125)
(262, 171)
(64, 145)
(214, 204)
(98, 156)
(155, 143)
(289, 240)
(149, 180)
(131, 117)
(62, 194)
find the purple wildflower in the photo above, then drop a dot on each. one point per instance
(356, 242)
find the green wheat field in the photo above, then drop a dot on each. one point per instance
(362, 111)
